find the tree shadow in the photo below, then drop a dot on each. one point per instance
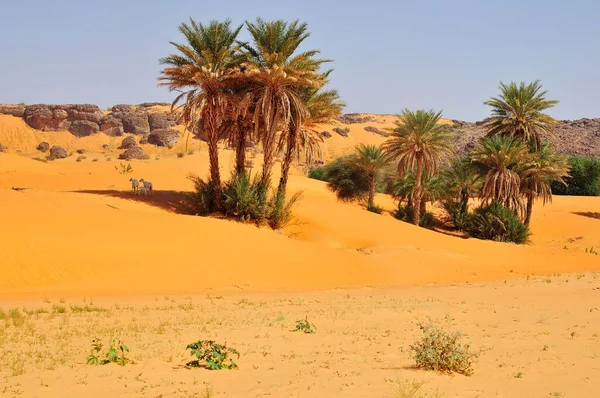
(172, 201)
(589, 214)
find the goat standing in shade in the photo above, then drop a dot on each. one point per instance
(147, 186)
(135, 185)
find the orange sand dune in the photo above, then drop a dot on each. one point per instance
(76, 230)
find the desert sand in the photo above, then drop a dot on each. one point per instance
(142, 270)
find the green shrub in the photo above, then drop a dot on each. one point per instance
(346, 181)
(406, 213)
(115, 353)
(373, 208)
(458, 215)
(498, 223)
(280, 210)
(318, 173)
(212, 356)
(202, 200)
(303, 325)
(246, 198)
(583, 179)
(442, 351)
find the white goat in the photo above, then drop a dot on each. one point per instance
(147, 186)
(135, 184)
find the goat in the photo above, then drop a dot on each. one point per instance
(135, 184)
(147, 186)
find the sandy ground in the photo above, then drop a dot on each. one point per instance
(72, 230)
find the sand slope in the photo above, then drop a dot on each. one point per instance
(76, 229)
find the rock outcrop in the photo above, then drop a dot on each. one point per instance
(83, 128)
(377, 131)
(351, 118)
(341, 131)
(160, 121)
(164, 137)
(111, 126)
(134, 122)
(133, 153)
(12, 110)
(326, 134)
(60, 117)
(57, 152)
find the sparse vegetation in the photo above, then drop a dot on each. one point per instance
(212, 356)
(180, 154)
(123, 168)
(303, 325)
(442, 351)
(499, 223)
(115, 354)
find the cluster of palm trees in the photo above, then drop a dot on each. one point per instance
(265, 92)
(512, 165)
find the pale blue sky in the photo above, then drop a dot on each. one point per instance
(447, 55)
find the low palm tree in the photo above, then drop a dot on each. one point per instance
(418, 143)
(543, 167)
(201, 71)
(519, 112)
(461, 181)
(369, 158)
(432, 189)
(323, 106)
(501, 160)
(279, 72)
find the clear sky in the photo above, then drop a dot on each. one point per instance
(447, 55)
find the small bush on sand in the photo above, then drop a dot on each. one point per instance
(180, 154)
(115, 354)
(346, 181)
(318, 173)
(442, 351)
(458, 214)
(498, 223)
(373, 208)
(80, 158)
(245, 198)
(202, 200)
(281, 211)
(212, 356)
(583, 179)
(405, 213)
(303, 325)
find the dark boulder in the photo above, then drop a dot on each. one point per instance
(326, 134)
(164, 137)
(144, 140)
(128, 142)
(43, 146)
(80, 151)
(133, 153)
(83, 128)
(342, 132)
(3, 148)
(111, 126)
(105, 147)
(60, 117)
(134, 122)
(375, 130)
(57, 152)
(160, 121)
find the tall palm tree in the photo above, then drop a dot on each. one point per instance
(432, 188)
(371, 159)
(279, 72)
(501, 160)
(418, 143)
(200, 71)
(323, 106)
(461, 181)
(519, 111)
(543, 167)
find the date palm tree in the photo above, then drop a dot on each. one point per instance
(371, 159)
(501, 160)
(461, 181)
(323, 106)
(543, 167)
(201, 71)
(418, 144)
(519, 112)
(279, 72)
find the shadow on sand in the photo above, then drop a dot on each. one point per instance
(589, 214)
(172, 201)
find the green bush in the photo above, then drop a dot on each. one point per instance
(458, 215)
(202, 200)
(346, 181)
(583, 179)
(115, 354)
(280, 210)
(498, 223)
(245, 198)
(318, 173)
(442, 351)
(212, 356)
(406, 213)
(373, 208)
(303, 325)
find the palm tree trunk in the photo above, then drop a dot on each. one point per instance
(240, 151)
(417, 199)
(269, 150)
(464, 201)
(529, 209)
(371, 200)
(423, 206)
(287, 161)
(213, 157)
